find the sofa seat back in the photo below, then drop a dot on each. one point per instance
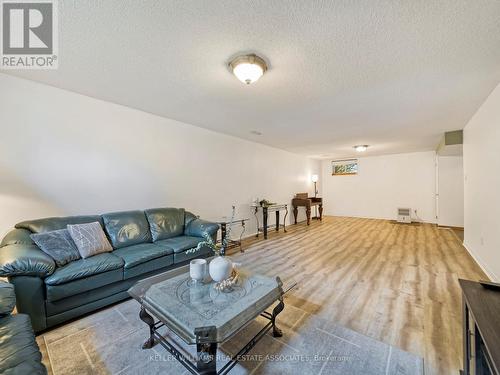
(126, 228)
(54, 223)
(165, 222)
(83, 275)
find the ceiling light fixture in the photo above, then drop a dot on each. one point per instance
(361, 148)
(248, 68)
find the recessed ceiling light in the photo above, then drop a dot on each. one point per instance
(248, 68)
(255, 132)
(361, 148)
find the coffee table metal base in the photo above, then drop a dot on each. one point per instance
(206, 347)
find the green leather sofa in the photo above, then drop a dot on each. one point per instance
(19, 352)
(145, 243)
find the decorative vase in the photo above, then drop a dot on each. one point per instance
(220, 268)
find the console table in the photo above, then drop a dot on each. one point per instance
(265, 213)
(302, 199)
(481, 329)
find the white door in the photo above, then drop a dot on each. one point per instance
(450, 196)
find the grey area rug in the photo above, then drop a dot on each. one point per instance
(109, 342)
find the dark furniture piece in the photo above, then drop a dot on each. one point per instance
(144, 243)
(224, 223)
(302, 200)
(265, 215)
(481, 329)
(201, 316)
(19, 352)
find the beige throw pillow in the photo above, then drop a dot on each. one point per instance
(89, 239)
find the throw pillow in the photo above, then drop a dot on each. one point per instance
(89, 239)
(58, 244)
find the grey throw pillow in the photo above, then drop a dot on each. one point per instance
(89, 239)
(58, 244)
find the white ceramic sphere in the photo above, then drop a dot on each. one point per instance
(220, 268)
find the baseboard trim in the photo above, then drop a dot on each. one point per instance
(450, 226)
(491, 275)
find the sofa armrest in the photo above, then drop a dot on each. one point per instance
(25, 260)
(199, 227)
(17, 237)
(7, 298)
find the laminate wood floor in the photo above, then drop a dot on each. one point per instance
(394, 282)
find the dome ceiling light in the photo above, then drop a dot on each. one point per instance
(248, 68)
(361, 148)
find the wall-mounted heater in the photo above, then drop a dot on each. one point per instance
(404, 215)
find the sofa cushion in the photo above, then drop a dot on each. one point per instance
(127, 228)
(84, 268)
(7, 298)
(192, 253)
(137, 254)
(84, 275)
(149, 266)
(57, 292)
(58, 244)
(180, 243)
(165, 222)
(18, 348)
(31, 367)
(89, 239)
(54, 223)
(144, 258)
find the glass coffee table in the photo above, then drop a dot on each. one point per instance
(200, 315)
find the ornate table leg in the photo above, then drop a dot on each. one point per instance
(295, 213)
(279, 308)
(264, 216)
(284, 219)
(320, 211)
(257, 220)
(241, 234)
(308, 214)
(206, 351)
(222, 231)
(277, 220)
(148, 319)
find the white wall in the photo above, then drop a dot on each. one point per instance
(451, 191)
(383, 184)
(482, 185)
(65, 154)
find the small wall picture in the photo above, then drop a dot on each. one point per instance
(344, 167)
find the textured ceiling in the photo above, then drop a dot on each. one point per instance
(391, 74)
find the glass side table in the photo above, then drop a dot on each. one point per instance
(224, 223)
